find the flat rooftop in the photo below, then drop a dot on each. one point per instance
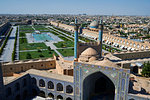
(50, 75)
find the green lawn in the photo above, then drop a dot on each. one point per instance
(64, 44)
(66, 52)
(32, 46)
(40, 27)
(22, 40)
(26, 27)
(36, 54)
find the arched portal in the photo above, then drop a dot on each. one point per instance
(51, 95)
(98, 86)
(42, 94)
(59, 97)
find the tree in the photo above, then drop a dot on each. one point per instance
(146, 70)
(39, 50)
(41, 55)
(49, 48)
(28, 56)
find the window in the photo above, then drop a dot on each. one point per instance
(50, 85)
(41, 83)
(59, 87)
(69, 89)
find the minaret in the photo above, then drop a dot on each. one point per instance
(1, 84)
(75, 39)
(100, 38)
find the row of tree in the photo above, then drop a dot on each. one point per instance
(15, 44)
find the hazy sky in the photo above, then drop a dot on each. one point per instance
(103, 7)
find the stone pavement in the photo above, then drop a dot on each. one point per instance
(7, 53)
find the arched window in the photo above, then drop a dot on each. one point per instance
(138, 46)
(17, 87)
(50, 85)
(8, 92)
(146, 47)
(142, 47)
(130, 44)
(59, 87)
(120, 41)
(41, 83)
(33, 81)
(127, 43)
(69, 89)
(134, 45)
(124, 42)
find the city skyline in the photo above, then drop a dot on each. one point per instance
(95, 7)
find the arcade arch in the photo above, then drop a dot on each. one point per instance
(69, 89)
(59, 87)
(50, 85)
(51, 95)
(98, 85)
(59, 97)
(41, 83)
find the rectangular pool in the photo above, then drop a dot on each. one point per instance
(42, 37)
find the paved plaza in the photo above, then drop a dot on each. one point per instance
(7, 53)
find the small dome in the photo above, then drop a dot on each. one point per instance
(89, 52)
(94, 24)
(107, 62)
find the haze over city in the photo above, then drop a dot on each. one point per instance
(91, 7)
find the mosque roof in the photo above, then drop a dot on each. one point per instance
(105, 62)
(94, 24)
(89, 52)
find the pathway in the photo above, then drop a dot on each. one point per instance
(32, 50)
(7, 53)
(53, 47)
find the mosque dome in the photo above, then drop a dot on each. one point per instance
(89, 52)
(94, 24)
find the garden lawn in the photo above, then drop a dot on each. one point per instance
(36, 54)
(66, 52)
(64, 44)
(32, 46)
(22, 40)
